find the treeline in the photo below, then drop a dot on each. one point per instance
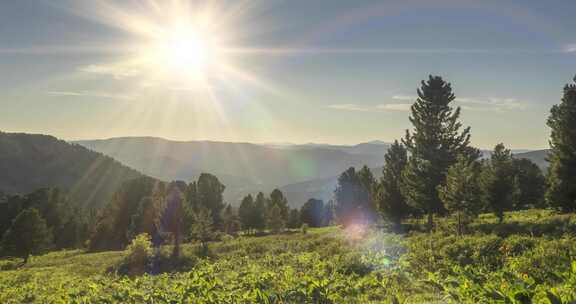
(434, 171)
(173, 212)
(42, 220)
(273, 214)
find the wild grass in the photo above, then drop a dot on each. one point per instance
(325, 265)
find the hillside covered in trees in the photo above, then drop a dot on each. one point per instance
(29, 162)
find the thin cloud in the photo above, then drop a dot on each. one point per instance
(394, 107)
(88, 94)
(116, 71)
(390, 107)
(493, 104)
(404, 97)
(569, 48)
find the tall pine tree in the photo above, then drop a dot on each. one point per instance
(433, 145)
(561, 192)
(391, 202)
(246, 213)
(259, 212)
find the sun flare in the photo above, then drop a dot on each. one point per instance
(186, 50)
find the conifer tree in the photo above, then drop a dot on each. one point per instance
(146, 218)
(209, 194)
(246, 213)
(433, 145)
(391, 201)
(312, 213)
(345, 194)
(202, 228)
(529, 184)
(497, 182)
(354, 196)
(172, 219)
(230, 220)
(329, 213)
(461, 194)
(275, 222)
(561, 192)
(28, 235)
(259, 212)
(278, 199)
(367, 194)
(294, 219)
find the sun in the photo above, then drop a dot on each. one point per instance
(187, 50)
(184, 46)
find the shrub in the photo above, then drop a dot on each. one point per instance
(304, 228)
(138, 255)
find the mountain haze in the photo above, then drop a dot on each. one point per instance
(242, 167)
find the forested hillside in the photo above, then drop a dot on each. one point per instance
(29, 162)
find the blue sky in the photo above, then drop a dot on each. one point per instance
(323, 71)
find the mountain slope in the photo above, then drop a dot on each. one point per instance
(29, 162)
(242, 167)
(538, 157)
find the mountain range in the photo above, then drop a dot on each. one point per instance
(243, 167)
(92, 169)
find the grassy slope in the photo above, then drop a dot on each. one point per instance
(326, 266)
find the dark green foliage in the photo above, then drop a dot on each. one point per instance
(66, 221)
(529, 185)
(277, 210)
(28, 235)
(246, 213)
(31, 162)
(354, 196)
(312, 213)
(461, 194)
(145, 220)
(259, 214)
(115, 220)
(330, 213)
(202, 228)
(230, 221)
(274, 220)
(433, 145)
(391, 202)
(173, 216)
(367, 196)
(497, 181)
(562, 171)
(294, 221)
(207, 193)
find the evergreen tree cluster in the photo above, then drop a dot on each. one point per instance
(261, 213)
(435, 171)
(273, 213)
(41, 220)
(168, 212)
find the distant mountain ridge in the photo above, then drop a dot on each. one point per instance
(301, 171)
(243, 167)
(32, 161)
(539, 157)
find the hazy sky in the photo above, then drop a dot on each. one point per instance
(314, 71)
